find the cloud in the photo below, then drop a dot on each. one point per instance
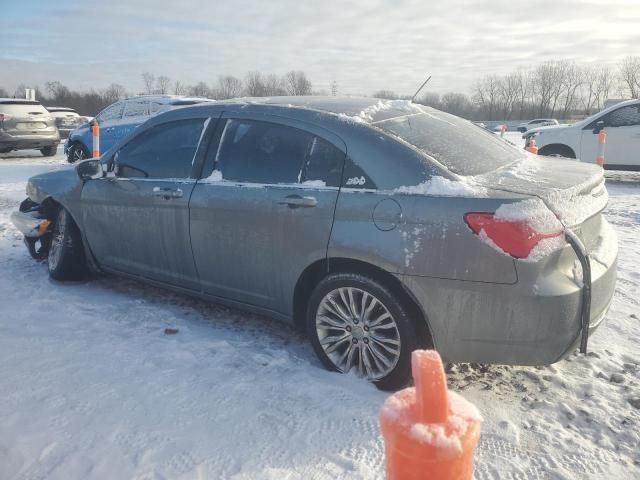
(363, 45)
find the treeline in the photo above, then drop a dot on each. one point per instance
(560, 88)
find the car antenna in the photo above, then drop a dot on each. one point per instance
(421, 87)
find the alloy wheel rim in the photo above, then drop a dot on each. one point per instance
(357, 332)
(78, 154)
(57, 242)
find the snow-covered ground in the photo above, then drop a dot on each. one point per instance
(92, 388)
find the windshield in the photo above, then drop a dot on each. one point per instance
(459, 145)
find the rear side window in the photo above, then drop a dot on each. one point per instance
(164, 151)
(114, 112)
(624, 117)
(263, 152)
(22, 109)
(136, 109)
(456, 143)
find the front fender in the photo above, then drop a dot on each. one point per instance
(63, 186)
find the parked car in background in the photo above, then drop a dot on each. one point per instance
(26, 124)
(119, 120)
(621, 123)
(538, 122)
(378, 228)
(67, 119)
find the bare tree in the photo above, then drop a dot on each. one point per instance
(387, 94)
(297, 83)
(228, 87)
(3, 93)
(573, 78)
(630, 76)
(457, 104)
(430, 99)
(163, 84)
(509, 88)
(254, 84)
(486, 94)
(200, 90)
(274, 85)
(113, 93)
(179, 88)
(149, 81)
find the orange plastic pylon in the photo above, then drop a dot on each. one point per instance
(95, 132)
(602, 140)
(532, 146)
(429, 432)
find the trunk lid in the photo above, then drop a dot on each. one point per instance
(573, 191)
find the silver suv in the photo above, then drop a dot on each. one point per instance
(25, 124)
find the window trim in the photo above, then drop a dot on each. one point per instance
(310, 128)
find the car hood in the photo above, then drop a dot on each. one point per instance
(573, 191)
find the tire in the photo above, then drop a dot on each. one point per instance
(49, 151)
(76, 152)
(383, 362)
(66, 260)
(557, 151)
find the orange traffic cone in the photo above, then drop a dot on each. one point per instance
(532, 146)
(429, 432)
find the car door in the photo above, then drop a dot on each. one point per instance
(108, 119)
(622, 149)
(137, 221)
(264, 210)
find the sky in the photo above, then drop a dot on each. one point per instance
(363, 45)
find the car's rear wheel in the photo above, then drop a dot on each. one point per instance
(77, 152)
(66, 258)
(356, 324)
(49, 151)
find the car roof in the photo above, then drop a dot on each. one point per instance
(361, 109)
(169, 99)
(19, 101)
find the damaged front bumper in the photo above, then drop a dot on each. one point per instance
(29, 224)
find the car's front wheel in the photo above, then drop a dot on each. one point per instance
(356, 324)
(49, 151)
(77, 152)
(66, 258)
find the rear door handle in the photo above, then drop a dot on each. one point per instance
(167, 193)
(296, 201)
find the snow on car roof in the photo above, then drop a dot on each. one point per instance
(170, 99)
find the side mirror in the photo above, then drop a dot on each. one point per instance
(89, 169)
(599, 126)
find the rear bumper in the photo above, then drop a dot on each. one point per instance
(23, 142)
(534, 322)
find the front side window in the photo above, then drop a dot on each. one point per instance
(624, 117)
(114, 112)
(164, 151)
(136, 109)
(263, 152)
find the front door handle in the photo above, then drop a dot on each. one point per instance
(296, 201)
(167, 193)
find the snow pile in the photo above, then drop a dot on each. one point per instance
(443, 187)
(215, 177)
(534, 212)
(314, 183)
(367, 115)
(399, 409)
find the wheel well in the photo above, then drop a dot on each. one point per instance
(558, 148)
(315, 272)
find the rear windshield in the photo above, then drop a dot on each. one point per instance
(23, 109)
(461, 146)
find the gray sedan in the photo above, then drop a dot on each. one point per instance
(377, 226)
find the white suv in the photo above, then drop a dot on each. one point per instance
(538, 122)
(621, 123)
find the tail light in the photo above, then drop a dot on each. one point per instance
(515, 237)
